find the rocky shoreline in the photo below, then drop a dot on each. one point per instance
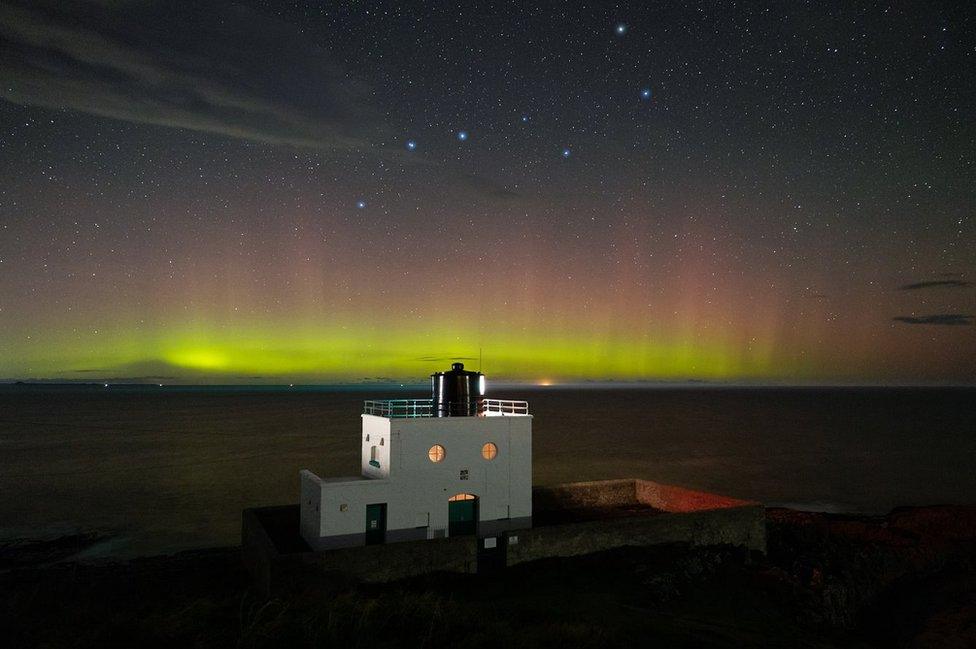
(827, 580)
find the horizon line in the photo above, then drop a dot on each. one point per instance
(587, 383)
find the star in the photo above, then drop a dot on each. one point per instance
(525, 118)
(621, 29)
(462, 135)
(566, 153)
(411, 145)
(646, 93)
(360, 205)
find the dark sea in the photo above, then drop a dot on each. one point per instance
(161, 469)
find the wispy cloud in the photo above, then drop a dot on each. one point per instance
(213, 67)
(951, 319)
(941, 283)
(218, 68)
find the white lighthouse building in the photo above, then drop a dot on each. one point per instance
(455, 464)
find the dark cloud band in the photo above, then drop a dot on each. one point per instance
(942, 283)
(951, 319)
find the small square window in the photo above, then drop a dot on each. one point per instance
(343, 507)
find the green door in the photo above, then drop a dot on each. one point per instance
(462, 517)
(375, 524)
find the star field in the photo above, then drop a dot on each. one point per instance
(274, 193)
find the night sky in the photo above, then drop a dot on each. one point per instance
(345, 191)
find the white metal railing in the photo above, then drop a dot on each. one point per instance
(410, 408)
(399, 408)
(503, 407)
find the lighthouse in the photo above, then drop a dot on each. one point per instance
(455, 464)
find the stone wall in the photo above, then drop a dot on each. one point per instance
(276, 555)
(580, 495)
(614, 493)
(738, 526)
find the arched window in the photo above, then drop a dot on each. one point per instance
(436, 453)
(489, 451)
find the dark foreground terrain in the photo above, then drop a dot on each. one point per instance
(906, 579)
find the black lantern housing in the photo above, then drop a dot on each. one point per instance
(457, 392)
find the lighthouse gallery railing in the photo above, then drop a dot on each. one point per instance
(409, 408)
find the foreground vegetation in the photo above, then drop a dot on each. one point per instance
(908, 579)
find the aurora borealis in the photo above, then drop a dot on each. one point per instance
(252, 193)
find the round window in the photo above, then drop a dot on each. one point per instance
(489, 451)
(436, 453)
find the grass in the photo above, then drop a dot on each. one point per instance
(815, 588)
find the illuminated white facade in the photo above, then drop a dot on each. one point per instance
(426, 477)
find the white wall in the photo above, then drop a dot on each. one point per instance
(503, 485)
(355, 494)
(376, 432)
